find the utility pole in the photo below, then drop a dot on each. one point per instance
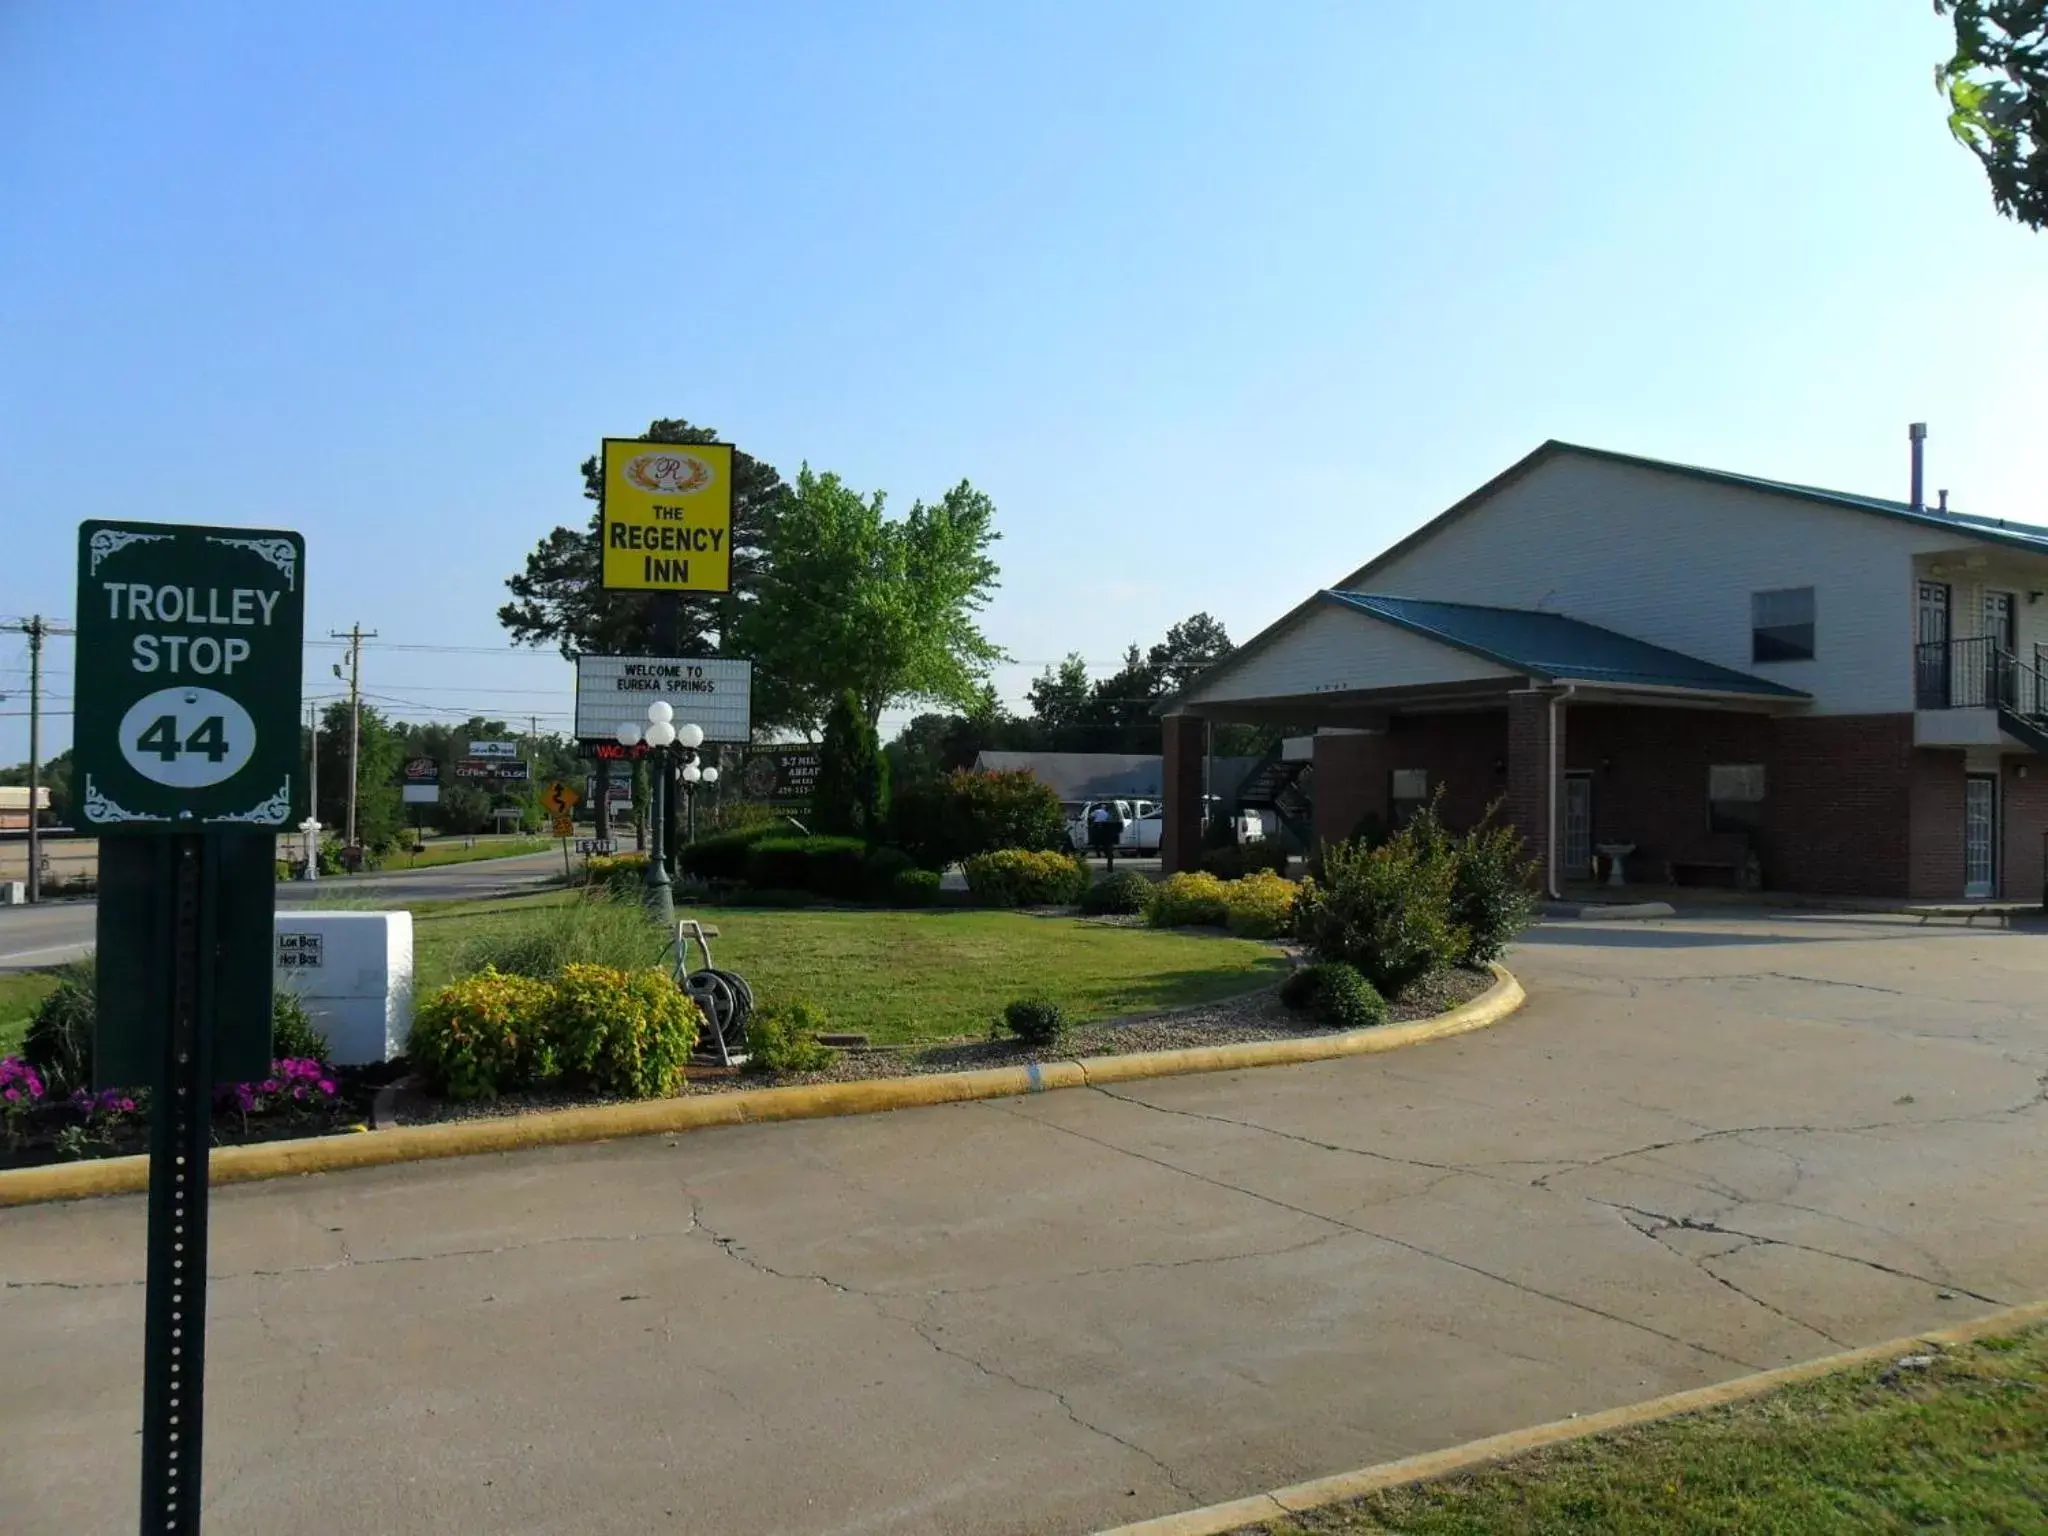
(313, 794)
(36, 627)
(355, 637)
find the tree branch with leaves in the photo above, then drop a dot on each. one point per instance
(1996, 83)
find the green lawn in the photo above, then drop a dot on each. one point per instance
(907, 976)
(20, 992)
(1959, 1446)
(451, 851)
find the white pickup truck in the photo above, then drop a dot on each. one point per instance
(1145, 825)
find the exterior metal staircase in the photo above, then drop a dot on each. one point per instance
(1284, 786)
(1982, 674)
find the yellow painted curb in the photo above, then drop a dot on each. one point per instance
(1217, 1519)
(565, 1127)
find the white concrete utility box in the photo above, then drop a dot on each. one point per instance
(353, 972)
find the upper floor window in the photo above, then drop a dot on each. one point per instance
(1781, 625)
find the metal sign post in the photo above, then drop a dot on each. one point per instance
(186, 741)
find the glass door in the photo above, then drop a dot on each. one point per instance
(1578, 826)
(1980, 836)
(1931, 679)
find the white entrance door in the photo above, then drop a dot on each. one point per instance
(1578, 827)
(1980, 835)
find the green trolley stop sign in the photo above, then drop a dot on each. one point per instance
(189, 659)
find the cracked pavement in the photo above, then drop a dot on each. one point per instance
(1707, 1146)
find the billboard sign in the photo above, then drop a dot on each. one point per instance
(494, 749)
(781, 776)
(715, 692)
(667, 520)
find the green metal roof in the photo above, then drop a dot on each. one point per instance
(1555, 648)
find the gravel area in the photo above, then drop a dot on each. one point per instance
(1250, 1016)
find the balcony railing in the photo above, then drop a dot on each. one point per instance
(1976, 674)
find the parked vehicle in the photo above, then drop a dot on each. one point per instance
(1145, 825)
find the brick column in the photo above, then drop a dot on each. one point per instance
(1180, 838)
(1534, 796)
(1350, 779)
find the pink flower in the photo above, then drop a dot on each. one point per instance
(327, 1085)
(13, 1095)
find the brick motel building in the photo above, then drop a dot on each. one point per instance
(1712, 678)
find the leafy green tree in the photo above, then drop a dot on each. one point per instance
(1996, 83)
(1059, 698)
(885, 607)
(851, 795)
(557, 598)
(381, 754)
(463, 809)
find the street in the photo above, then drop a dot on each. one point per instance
(1705, 1147)
(53, 932)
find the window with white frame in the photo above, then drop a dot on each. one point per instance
(1735, 797)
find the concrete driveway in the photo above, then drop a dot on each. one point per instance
(1705, 1147)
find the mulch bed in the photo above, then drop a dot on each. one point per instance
(1250, 1016)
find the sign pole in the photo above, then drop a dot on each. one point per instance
(181, 1106)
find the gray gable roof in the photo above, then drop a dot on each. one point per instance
(1079, 776)
(1556, 648)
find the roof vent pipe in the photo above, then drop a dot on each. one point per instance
(1942, 494)
(1917, 432)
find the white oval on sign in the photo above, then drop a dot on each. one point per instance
(187, 738)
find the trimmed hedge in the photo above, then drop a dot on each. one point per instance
(1038, 1022)
(829, 866)
(1335, 994)
(1122, 894)
(915, 888)
(1188, 900)
(724, 857)
(626, 1032)
(1237, 860)
(1018, 877)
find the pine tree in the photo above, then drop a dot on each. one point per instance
(851, 795)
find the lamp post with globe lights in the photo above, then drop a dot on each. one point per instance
(667, 743)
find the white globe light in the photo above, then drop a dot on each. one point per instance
(660, 734)
(691, 736)
(628, 734)
(661, 712)
(692, 773)
(710, 775)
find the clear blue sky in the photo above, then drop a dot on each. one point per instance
(1215, 301)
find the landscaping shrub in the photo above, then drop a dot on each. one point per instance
(1493, 893)
(1260, 906)
(850, 797)
(1123, 894)
(1018, 877)
(1188, 900)
(59, 1040)
(1384, 910)
(1237, 860)
(539, 941)
(879, 872)
(621, 875)
(783, 1037)
(724, 857)
(966, 813)
(1334, 994)
(915, 887)
(293, 1036)
(620, 1031)
(484, 1035)
(1038, 1022)
(830, 866)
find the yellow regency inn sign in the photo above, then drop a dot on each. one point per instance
(667, 522)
